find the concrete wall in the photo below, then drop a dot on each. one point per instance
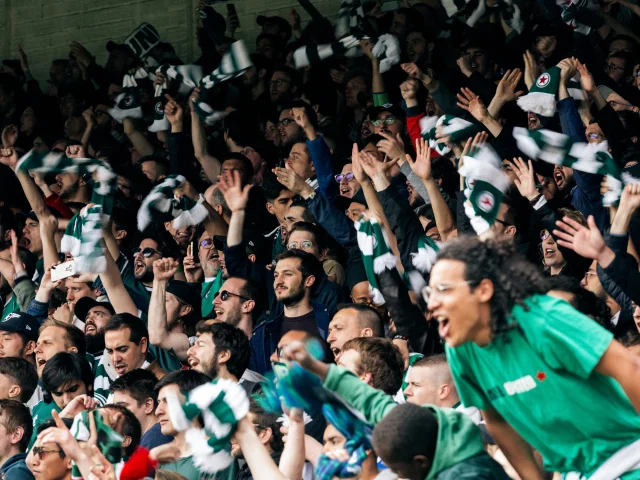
(45, 28)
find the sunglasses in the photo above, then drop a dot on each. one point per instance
(301, 245)
(146, 252)
(224, 295)
(40, 451)
(544, 235)
(206, 243)
(389, 121)
(348, 176)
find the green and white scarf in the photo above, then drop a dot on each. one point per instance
(233, 64)
(376, 254)
(485, 187)
(542, 96)
(456, 128)
(160, 122)
(162, 205)
(128, 103)
(579, 17)
(428, 132)
(108, 440)
(426, 255)
(83, 233)
(187, 77)
(222, 404)
(559, 149)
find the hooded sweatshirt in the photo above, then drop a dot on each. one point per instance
(459, 450)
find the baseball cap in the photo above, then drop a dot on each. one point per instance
(21, 322)
(394, 110)
(282, 24)
(188, 294)
(87, 303)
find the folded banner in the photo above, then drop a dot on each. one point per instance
(233, 64)
(84, 231)
(222, 404)
(486, 184)
(558, 149)
(376, 254)
(162, 205)
(143, 40)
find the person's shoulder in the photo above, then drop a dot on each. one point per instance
(478, 467)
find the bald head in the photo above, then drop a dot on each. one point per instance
(215, 198)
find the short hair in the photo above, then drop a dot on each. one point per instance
(573, 214)
(630, 339)
(218, 198)
(432, 361)
(137, 328)
(246, 164)
(405, 432)
(73, 336)
(289, 72)
(318, 232)
(185, 380)
(307, 216)
(308, 109)
(513, 278)
(22, 372)
(139, 384)
(271, 187)
(227, 337)
(51, 423)
(381, 358)
(309, 265)
(130, 426)
(368, 317)
(583, 300)
(264, 420)
(64, 368)
(16, 415)
(250, 289)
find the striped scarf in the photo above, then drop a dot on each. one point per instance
(162, 205)
(233, 64)
(578, 16)
(83, 233)
(425, 257)
(108, 440)
(559, 149)
(428, 132)
(485, 187)
(351, 28)
(187, 77)
(376, 254)
(456, 128)
(295, 387)
(128, 103)
(222, 404)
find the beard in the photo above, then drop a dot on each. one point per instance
(146, 275)
(69, 191)
(293, 297)
(212, 369)
(95, 343)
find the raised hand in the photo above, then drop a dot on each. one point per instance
(587, 82)
(46, 283)
(75, 151)
(103, 469)
(164, 269)
(24, 60)
(530, 69)
(81, 54)
(64, 313)
(358, 171)
(525, 178)
(567, 68)
(9, 136)
(89, 116)
(300, 117)
(337, 75)
(393, 147)
(367, 48)
(173, 111)
(506, 90)
(294, 19)
(18, 266)
(472, 103)
(585, 241)
(414, 72)
(77, 405)
(409, 89)
(630, 198)
(422, 166)
(9, 157)
(190, 266)
(291, 180)
(464, 63)
(61, 435)
(373, 168)
(235, 195)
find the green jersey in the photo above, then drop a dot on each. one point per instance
(209, 290)
(40, 414)
(540, 377)
(10, 307)
(184, 467)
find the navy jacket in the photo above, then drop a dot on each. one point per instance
(266, 336)
(15, 468)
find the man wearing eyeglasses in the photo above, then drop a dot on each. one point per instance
(15, 431)
(283, 85)
(290, 131)
(388, 118)
(48, 461)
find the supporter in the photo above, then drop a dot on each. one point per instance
(19, 379)
(48, 462)
(15, 431)
(351, 321)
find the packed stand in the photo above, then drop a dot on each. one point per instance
(401, 245)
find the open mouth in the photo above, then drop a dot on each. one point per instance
(138, 266)
(27, 242)
(443, 326)
(89, 329)
(344, 191)
(218, 311)
(193, 362)
(335, 351)
(549, 252)
(558, 177)
(41, 362)
(120, 369)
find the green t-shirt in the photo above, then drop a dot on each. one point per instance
(540, 377)
(40, 414)
(208, 291)
(184, 467)
(10, 307)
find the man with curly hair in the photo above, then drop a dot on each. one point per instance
(543, 374)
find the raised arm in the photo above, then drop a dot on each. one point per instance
(293, 455)
(159, 333)
(115, 289)
(237, 198)
(210, 164)
(255, 454)
(141, 143)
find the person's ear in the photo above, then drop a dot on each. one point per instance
(323, 254)
(265, 435)
(634, 139)
(218, 208)
(316, 108)
(29, 348)
(248, 306)
(444, 390)
(431, 46)
(224, 356)
(126, 441)
(167, 226)
(14, 391)
(144, 344)
(510, 231)
(72, 350)
(366, 378)
(120, 234)
(262, 73)
(310, 280)
(252, 258)
(16, 435)
(422, 463)
(484, 290)
(149, 407)
(185, 310)
(366, 332)
(270, 208)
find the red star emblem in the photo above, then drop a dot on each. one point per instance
(486, 201)
(541, 376)
(543, 80)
